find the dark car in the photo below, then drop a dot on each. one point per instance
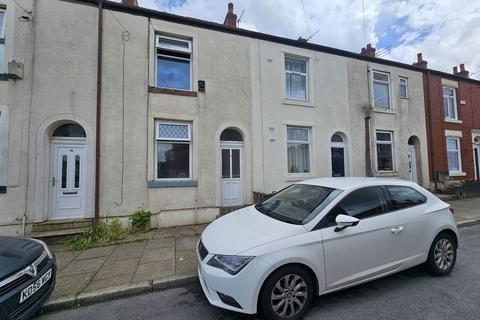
(27, 276)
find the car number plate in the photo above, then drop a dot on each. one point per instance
(34, 287)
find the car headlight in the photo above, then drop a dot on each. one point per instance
(49, 253)
(230, 264)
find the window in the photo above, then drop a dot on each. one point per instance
(361, 204)
(450, 103)
(298, 149)
(2, 40)
(403, 83)
(384, 150)
(296, 78)
(453, 154)
(174, 63)
(381, 90)
(174, 152)
(403, 197)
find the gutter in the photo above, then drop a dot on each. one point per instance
(99, 109)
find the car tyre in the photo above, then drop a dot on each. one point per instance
(442, 255)
(287, 294)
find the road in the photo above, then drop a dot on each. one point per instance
(412, 294)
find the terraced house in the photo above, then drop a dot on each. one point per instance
(107, 107)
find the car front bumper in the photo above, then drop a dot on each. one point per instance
(233, 292)
(10, 306)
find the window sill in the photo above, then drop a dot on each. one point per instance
(172, 183)
(453, 120)
(175, 92)
(300, 103)
(387, 174)
(298, 177)
(404, 98)
(457, 174)
(380, 110)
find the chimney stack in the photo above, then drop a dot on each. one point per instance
(231, 18)
(462, 72)
(420, 62)
(368, 51)
(130, 3)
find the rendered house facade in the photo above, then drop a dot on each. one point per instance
(194, 116)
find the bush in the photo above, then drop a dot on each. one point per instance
(100, 233)
(140, 220)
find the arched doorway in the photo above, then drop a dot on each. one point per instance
(231, 146)
(476, 156)
(68, 172)
(413, 159)
(339, 155)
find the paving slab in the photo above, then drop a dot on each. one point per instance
(71, 285)
(114, 268)
(160, 243)
(185, 254)
(186, 243)
(185, 231)
(65, 257)
(96, 252)
(128, 251)
(154, 270)
(159, 254)
(164, 233)
(82, 266)
(121, 280)
(186, 266)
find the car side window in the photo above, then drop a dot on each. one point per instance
(361, 204)
(402, 197)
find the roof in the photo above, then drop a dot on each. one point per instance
(346, 183)
(263, 36)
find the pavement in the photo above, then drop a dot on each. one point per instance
(168, 259)
(412, 294)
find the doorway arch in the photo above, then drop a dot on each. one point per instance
(232, 167)
(338, 151)
(414, 163)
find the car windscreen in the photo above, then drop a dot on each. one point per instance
(297, 203)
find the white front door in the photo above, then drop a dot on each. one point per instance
(232, 158)
(412, 164)
(68, 181)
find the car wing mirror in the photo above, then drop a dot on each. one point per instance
(343, 221)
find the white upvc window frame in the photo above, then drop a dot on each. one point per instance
(388, 83)
(304, 74)
(2, 26)
(455, 106)
(400, 85)
(391, 142)
(188, 141)
(174, 49)
(308, 142)
(458, 151)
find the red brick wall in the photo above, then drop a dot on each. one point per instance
(469, 113)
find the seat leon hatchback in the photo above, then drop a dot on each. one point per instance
(319, 236)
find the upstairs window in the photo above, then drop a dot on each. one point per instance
(2, 40)
(381, 90)
(450, 103)
(174, 63)
(403, 87)
(296, 78)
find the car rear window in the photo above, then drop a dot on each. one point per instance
(402, 197)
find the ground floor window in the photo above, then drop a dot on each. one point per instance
(453, 154)
(298, 149)
(173, 150)
(384, 141)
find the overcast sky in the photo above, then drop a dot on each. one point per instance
(447, 32)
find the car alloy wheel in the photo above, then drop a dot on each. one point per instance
(443, 254)
(287, 293)
(289, 296)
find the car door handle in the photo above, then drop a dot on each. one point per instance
(396, 229)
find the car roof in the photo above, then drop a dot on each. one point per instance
(348, 183)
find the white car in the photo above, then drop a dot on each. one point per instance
(320, 236)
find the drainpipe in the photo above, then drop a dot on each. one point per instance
(430, 128)
(99, 110)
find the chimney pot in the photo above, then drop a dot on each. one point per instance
(455, 70)
(231, 18)
(419, 57)
(462, 67)
(368, 51)
(230, 7)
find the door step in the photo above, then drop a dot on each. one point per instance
(58, 231)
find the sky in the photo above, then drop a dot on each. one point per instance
(447, 32)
